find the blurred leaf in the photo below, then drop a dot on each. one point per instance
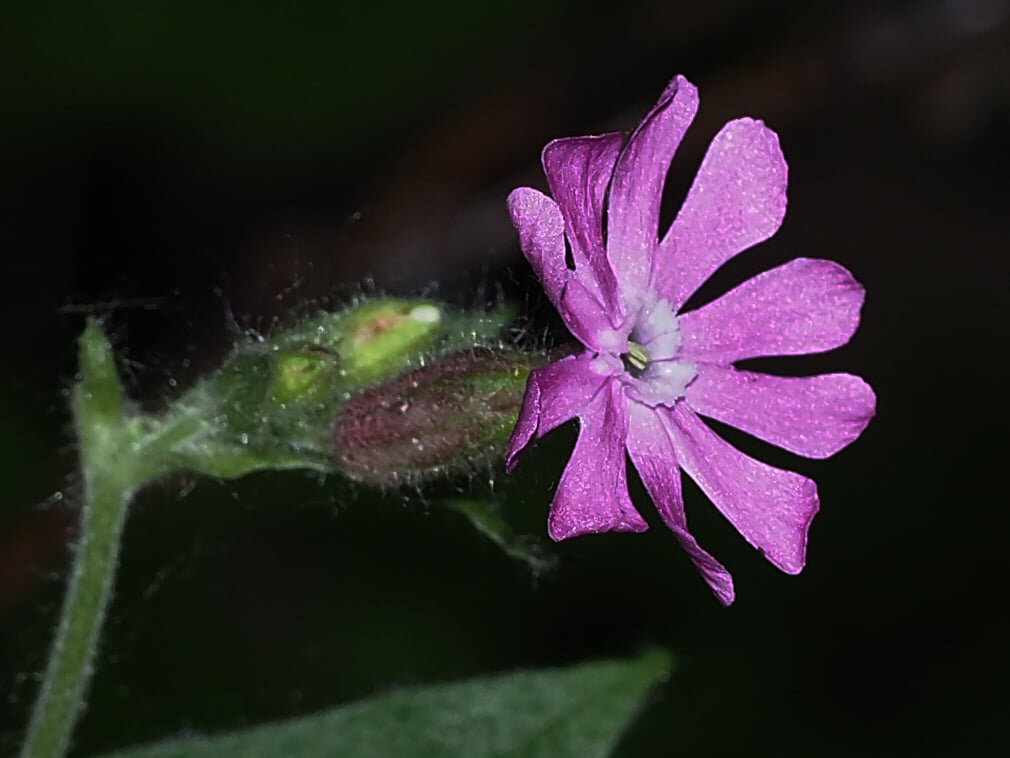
(580, 711)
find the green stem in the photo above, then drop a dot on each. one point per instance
(61, 696)
(285, 395)
(109, 464)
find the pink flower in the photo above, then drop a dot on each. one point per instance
(648, 371)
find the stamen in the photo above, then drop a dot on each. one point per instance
(636, 360)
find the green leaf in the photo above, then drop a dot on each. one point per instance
(578, 712)
(488, 521)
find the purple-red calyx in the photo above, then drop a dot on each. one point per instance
(649, 371)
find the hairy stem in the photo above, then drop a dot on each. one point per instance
(68, 672)
(270, 407)
(109, 464)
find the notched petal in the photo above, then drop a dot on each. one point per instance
(815, 416)
(804, 306)
(541, 230)
(770, 507)
(651, 449)
(592, 496)
(578, 171)
(637, 186)
(555, 393)
(737, 200)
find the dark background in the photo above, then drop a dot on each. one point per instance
(177, 165)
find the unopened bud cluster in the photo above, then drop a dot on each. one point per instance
(415, 388)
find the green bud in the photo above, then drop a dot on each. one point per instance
(452, 414)
(381, 338)
(374, 339)
(302, 375)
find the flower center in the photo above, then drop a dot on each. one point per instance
(657, 373)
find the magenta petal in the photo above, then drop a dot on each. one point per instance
(770, 507)
(738, 199)
(592, 495)
(555, 393)
(655, 458)
(578, 172)
(815, 416)
(804, 306)
(582, 313)
(541, 229)
(637, 186)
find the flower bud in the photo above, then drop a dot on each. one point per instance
(452, 414)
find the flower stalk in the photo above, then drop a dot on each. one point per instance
(109, 483)
(271, 406)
